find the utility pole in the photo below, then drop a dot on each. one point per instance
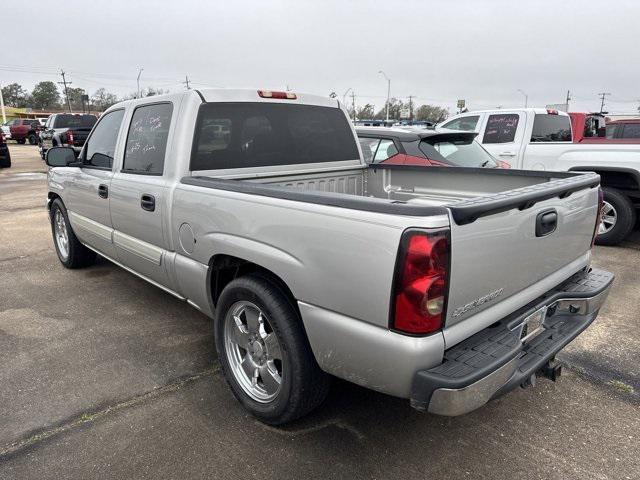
(353, 104)
(388, 91)
(4, 115)
(568, 98)
(602, 96)
(66, 92)
(411, 108)
(138, 81)
(186, 82)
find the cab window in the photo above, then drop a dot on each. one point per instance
(466, 124)
(101, 146)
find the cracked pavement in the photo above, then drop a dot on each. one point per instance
(103, 375)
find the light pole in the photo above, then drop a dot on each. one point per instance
(344, 96)
(388, 91)
(138, 81)
(526, 98)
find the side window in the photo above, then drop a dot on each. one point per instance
(466, 124)
(386, 149)
(631, 130)
(147, 139)
(369, 146)
(551, 128)
(101, 145)
(501, 128)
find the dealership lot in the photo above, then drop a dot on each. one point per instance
(105, 375)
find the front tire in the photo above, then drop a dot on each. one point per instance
(71, 253)
(264, 353)
(32, 139)
(618, 217)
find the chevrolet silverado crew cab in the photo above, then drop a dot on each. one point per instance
(542, 139)
(445, 286)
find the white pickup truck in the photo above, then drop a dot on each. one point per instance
(541, 139)
(446, 286)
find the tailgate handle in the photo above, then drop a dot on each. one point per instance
(546, 222)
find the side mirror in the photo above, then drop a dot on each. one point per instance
(61, 156)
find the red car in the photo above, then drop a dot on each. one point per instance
(423, 147)
(25, 129)
(593, 128)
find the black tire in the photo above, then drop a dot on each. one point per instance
(21, 141)
(32, 139)
(5, 160)
(625, 217)
(304, 386)
(78, 255)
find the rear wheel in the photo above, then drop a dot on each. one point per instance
(618, 217)
(264, 353)
(71, 253)
(21, 141)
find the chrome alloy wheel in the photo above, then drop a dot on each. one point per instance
(253, 351)
(61, 234)
(608, 219)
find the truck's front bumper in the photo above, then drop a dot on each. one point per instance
(506, 354)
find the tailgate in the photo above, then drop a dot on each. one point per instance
(502, 255)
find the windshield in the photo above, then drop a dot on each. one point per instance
(75, 121)
(458, 152)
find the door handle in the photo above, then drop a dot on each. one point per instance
(103, 191)
(507, 154)
(148, 202)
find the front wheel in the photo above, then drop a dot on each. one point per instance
(71, 253)
(21, 141)
(618, 217)
(264, 353)
(32, 139)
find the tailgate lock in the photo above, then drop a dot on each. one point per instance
(546, 222)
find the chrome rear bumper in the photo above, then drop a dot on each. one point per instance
(497, 359)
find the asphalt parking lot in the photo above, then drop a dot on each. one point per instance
(103, 375)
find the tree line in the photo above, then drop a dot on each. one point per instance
(46, 96)
(430, 113)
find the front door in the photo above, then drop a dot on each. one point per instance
(139, 195)
(89, 196)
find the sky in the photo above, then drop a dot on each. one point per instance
(437, 51)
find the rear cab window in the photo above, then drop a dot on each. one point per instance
(261, 134)
(551, 128)
(74, 121)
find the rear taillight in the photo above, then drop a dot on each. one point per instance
(421, 282)
(278, 95)
(70, 137)
(598, 216)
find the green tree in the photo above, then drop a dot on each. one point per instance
(75, 97)
(45, 95)
(395, 110)
(14, 95)
(101, 99)
(431, 113)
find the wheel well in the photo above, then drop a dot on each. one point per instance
(622, 180)
(51, 196)
(225, 268)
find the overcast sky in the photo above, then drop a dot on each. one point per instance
(438, 51)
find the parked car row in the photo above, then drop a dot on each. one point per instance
(444, 286)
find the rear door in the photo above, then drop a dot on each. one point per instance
(550, 137)
(139, 193)
(88, 197)
(501, 135)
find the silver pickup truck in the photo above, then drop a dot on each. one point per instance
(445, 286)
